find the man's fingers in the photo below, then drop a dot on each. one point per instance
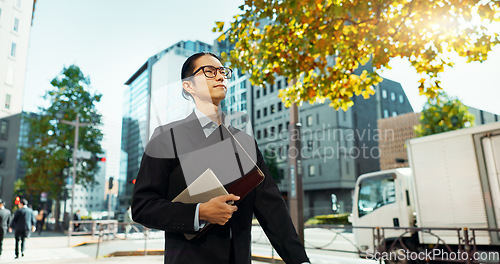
(229, 197)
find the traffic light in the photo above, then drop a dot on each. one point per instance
(110, 183)
(103, 159)
(133, 181)
(18, 200)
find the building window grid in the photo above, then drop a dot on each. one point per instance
(393, 96)
(312, 170)
(13, 49)
(16, 25)
(7, 101)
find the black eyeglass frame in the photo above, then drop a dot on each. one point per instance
(219, 69)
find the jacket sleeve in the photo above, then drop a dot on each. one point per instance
(150, 201)
(274, 217)
(33, 219)
(14, 220)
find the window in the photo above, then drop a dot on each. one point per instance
(7, 101)
(4, 128)
(257, 94)
(258, 134)
(312, 170)
(401, 98)
(309, 145)
(243, 106)
(273, 130)
(258, 113)
(375, 193)
(280, 128)
(265, 111)
(244, 96)
(2, 157)
(384, 94)
(272, 88)
(309, 120)
(265, 133)
(273, 109)
(16, 24)
(393, 96)
(13, 49)
(9, 78)
(278, 85)
(280, 106)
(386, 113)
(394, 114)
(264, 91)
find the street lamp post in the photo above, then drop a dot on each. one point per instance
(77, 126)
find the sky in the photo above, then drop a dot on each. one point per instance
(109, 40)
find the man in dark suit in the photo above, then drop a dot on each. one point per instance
(4, 222)
(163, 175)
(22, 223)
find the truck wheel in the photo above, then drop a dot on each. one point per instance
(397, 254)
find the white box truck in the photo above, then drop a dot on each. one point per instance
(452, 186)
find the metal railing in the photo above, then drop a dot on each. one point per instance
(342, 235)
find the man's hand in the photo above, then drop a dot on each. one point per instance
(10, 229)
(33, 228)
(217, 210)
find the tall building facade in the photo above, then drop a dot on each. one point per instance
(337, 146)
(15, 26)
(153, 98)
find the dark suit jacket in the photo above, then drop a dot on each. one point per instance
(23, 220)
(4, 220)
(160, 179)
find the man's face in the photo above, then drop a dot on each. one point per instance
(209, 89)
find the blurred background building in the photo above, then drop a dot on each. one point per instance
(15, 25)
(153, 97)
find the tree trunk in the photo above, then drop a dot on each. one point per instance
(57, 213)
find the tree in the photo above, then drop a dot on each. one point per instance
(48, 157)
(441, 114)
(270, 158)
(320, 43)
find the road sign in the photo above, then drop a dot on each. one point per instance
(83, 154)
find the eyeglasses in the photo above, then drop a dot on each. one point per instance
(211, 71)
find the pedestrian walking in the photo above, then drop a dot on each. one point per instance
(22, 223)
(4, 222)
(77, 217)
(40, 221)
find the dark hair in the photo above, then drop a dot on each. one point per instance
(188, 68)
(24, 202)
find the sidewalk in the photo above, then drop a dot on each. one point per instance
(52, 247)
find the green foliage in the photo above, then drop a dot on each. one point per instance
(441, 114)
(331, 219)
(270, 157)
(48, 158)
(318, 44)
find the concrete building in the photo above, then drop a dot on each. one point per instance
(153, 98)
(395, 131)
(337, 146)
(15, 25)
